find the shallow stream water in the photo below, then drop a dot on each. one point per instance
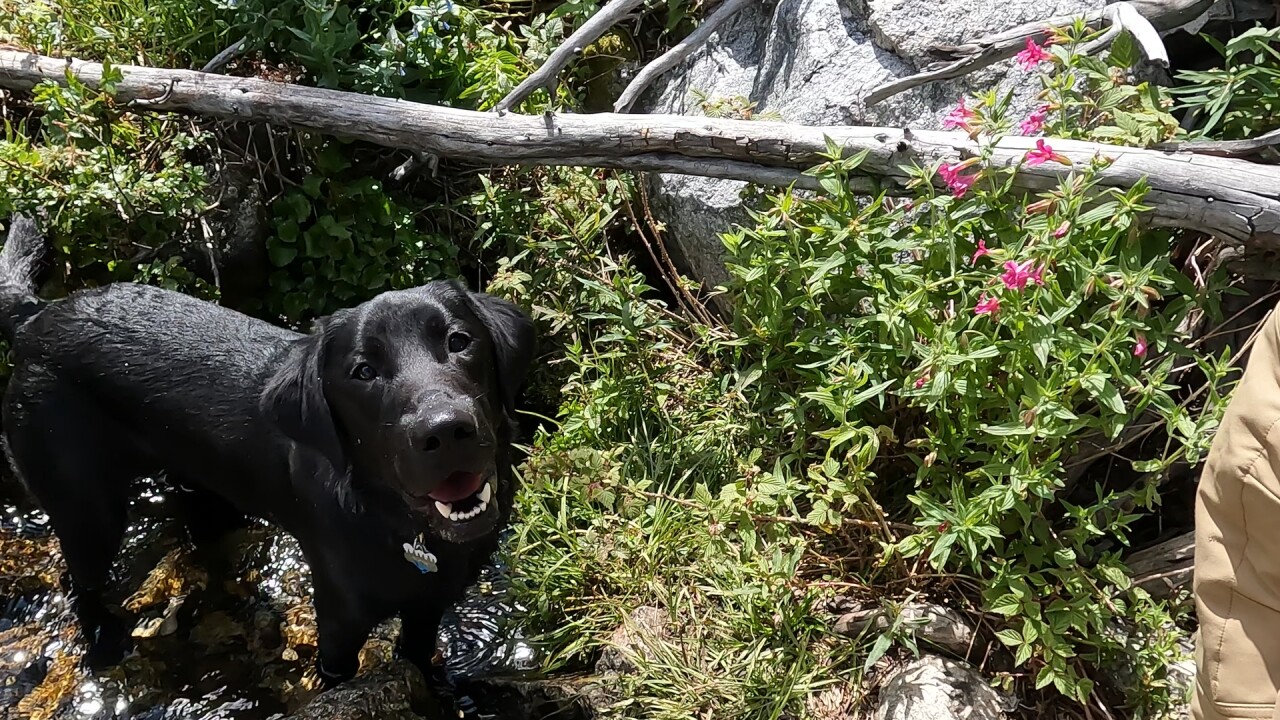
(239, 647)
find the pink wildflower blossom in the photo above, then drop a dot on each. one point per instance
(1041, 154)
(920, 381)
(1031, 56)
(1140, 345)
(1017, 275)
(959, 117)
(1035, 121)
(982, 250)
(958, 184)
(1062, 230)
(987, 305)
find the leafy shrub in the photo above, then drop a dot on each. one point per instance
(335, 242)
(1242, 98)
(895, 401)
(117, 189)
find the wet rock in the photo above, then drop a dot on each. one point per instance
(397, 692)
(935, 688)
(937, 625)
(812, 62)
(642, 627)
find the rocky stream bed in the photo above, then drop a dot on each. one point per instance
(235, 641)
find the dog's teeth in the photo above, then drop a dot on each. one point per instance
(484, 505)
(455, 516)
(444, 509)
(485, 494)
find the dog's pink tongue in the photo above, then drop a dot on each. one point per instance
(456, 487)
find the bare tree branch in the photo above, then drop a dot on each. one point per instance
(960, 60)
(1123, 17)
(1234, 200)
(677, 54)
(1263, 146)
(548, 74)
(225, 56)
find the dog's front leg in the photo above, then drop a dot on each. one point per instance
(343, 626)
(419, 625)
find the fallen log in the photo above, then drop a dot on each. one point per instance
(1232, 199)
(1165, 568)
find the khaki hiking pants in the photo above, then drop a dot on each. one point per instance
(1237, 556)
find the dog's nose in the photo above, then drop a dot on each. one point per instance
(444, 429)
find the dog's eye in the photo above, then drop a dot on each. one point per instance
(458, 342)
(365, 372)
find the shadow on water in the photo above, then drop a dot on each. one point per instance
(238, 646)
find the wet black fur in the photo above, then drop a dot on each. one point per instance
(128, 381)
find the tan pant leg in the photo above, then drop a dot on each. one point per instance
(1237, 570)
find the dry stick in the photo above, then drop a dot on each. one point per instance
(1226, 148)
(1124, 17)
(677, 53)
(1232, 199)
(548, 74)
(991, 49)
(225, 56)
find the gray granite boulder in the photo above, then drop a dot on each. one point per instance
(811, 62)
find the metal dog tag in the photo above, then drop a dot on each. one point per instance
(420, 557)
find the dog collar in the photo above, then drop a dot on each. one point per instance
(420, 557)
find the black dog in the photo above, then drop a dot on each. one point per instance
(381, 441)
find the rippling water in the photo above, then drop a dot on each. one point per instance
(238, 646)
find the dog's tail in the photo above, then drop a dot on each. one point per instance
(18, 259)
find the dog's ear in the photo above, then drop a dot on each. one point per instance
(512, 331)
(294, 399)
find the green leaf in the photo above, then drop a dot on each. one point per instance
(281, 255)
(878, 650)
(1009, 637)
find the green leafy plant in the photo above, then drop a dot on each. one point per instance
(335, 242)
(1242, 98)
(899, 395)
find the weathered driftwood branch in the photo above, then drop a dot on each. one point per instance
(1262, 147)
(1123, 17)
(548, 74)
(1163, 568)
(1232, 199)
(959, 60)
(677, 54)
(226, 55)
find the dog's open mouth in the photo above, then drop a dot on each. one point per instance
(463, 496)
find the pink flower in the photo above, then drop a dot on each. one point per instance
(1062, 230)
(1041, 154)
(1140, 345)
(982, 250)
(1017, 275)
(987, 305)
(959, 117)
(1035, 121)
(1032, 56)
(920, 381)
(959, 184)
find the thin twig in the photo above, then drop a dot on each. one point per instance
(988, 50)
(677, 53)
(547, 76)
(225, 56)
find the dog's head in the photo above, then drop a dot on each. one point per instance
(410, 397)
